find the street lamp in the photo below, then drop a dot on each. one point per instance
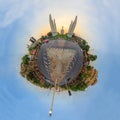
(50, 112)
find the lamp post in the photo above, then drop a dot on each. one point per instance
(51, 107)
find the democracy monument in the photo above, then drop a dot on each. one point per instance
(59, 60)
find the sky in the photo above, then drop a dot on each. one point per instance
(98, 23)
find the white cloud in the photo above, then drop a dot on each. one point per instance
(13, 10)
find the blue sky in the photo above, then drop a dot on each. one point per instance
(98, 23)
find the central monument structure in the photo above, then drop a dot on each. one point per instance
(54, 28)
(60, 59)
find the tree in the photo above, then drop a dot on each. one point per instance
(83, 42)
(43, 37)
(49, 34)
(25, 59)
(89, 67)
(91, 57)
(83, 86)
(87, 48)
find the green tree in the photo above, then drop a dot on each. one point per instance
(91, 57)
(83, 86)
(43, 37)
(25, 59)
(87, 47)
(49, 34)
(89, 67)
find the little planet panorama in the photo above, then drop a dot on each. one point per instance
(59, 60)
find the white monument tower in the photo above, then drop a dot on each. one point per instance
(53, 26)
(72, 27)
